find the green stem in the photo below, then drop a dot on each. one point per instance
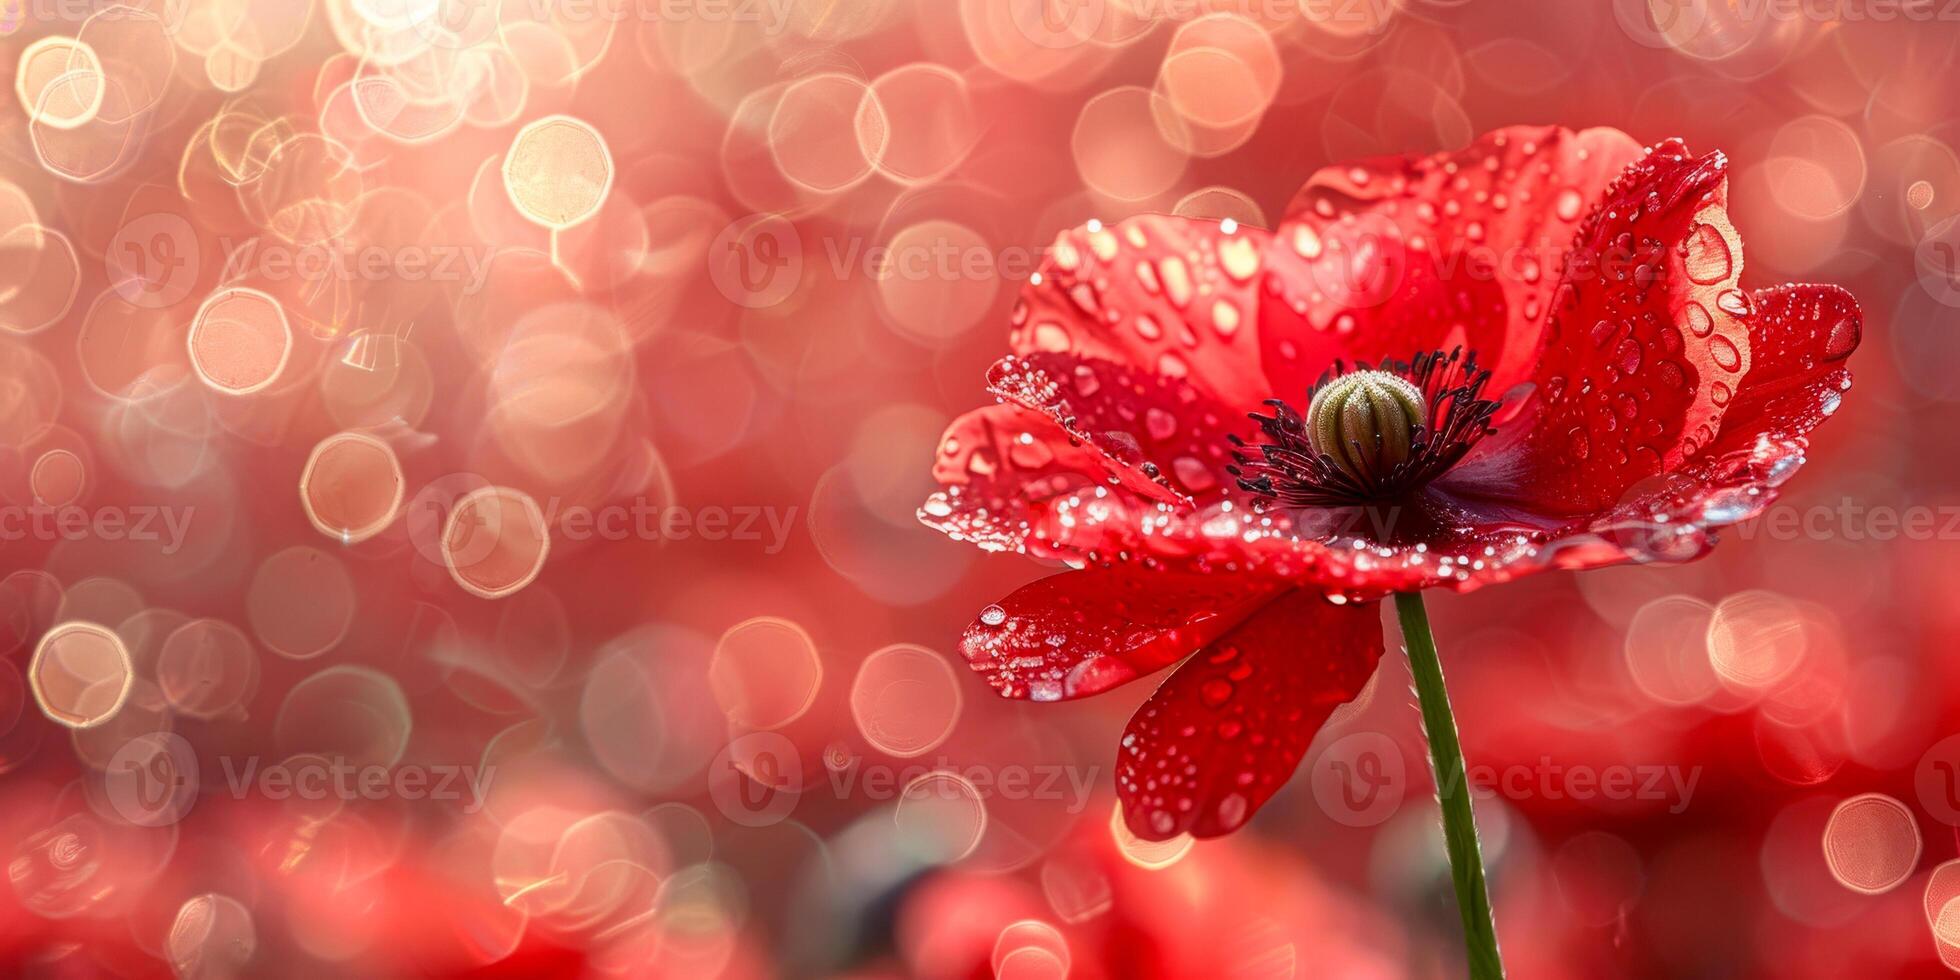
(1452, 790)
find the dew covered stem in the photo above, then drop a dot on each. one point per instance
(1452, 790)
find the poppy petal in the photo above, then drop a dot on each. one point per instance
(1164, 438)
(1799, 338)
(1390, 257)
(1647, 335)
(1165, 295)
(1225, 732)
(1081, 633)
(1013, 480)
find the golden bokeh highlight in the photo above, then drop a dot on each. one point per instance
(80, 674)
(352, 486)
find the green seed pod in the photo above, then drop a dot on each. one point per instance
(1365, 421)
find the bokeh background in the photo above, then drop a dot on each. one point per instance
(485, 438)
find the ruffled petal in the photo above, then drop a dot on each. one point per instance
(1382, 259)
(1081, 633)
(1165, 295)
(1013, 480)
(1162, 437)
(1799, 339)
(1647, 339)
(1225, 732)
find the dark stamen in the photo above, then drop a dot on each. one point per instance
(1286, 467)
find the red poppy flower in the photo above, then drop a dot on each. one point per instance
(1442, 371)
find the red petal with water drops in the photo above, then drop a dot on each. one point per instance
(1389, 257)
(1163, 437)
(1013, 480)
(1799, 340)
(1081, 633)
(1227, 729)
(1166, 295)
(1647, 321)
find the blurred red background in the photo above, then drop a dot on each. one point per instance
(304, 306)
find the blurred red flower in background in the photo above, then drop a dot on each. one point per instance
(1532, 353)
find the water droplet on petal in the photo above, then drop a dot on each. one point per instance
(1225, 317)
(1232, 811)
(993, 615)
(1842, 340)
(1569, 203)
(1706, 255)
(1699, 322)
(1239, 258)
(1196, 476)
(1177, 280)
(1306, 241)
(1628, 356)
(1215, 692)
(1724, 352)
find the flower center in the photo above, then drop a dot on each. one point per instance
(1369, 434)
(1365, 422)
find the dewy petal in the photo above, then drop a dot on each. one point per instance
(1166, 295)
(1647, 340)
(1081, 633)
(1012, 480)
(1389, 257)
(1225, 732)
(1163, 437)
(1799, 338)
